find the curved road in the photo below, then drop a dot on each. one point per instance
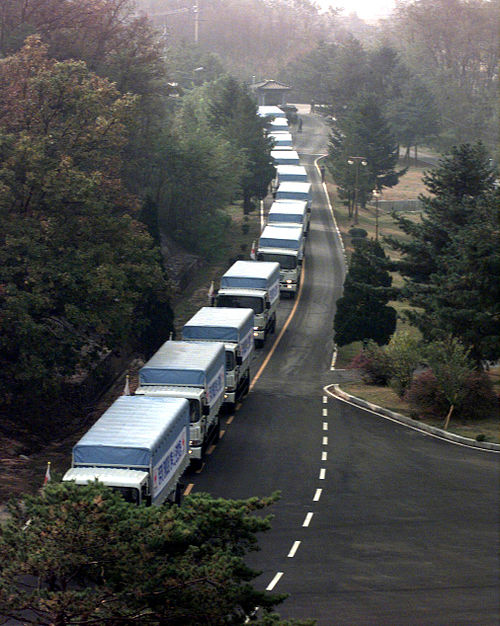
(377, 524)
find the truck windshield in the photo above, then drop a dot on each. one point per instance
(230, 361)
(194, 411)
(286, 261)
(241, 302)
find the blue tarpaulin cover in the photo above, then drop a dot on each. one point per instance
(184, 363)
(286, 237)
(219, 324)
(292, 212)
(251, 275)
(134, 431)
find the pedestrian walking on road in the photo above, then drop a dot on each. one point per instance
(300, 124)
(323, 173)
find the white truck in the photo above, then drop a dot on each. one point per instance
(285, 157)
(293, 190)
(194, 371)
(284, 245)
(138, 447)
(282, 139)
(292, 213)
(278, 124)
(248, 284)
(291, 173)
(270, 111)
(234, 329)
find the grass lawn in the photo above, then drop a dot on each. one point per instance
(384, 396)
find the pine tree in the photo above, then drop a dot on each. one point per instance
(362, 312)
(363, 132)
(450, 259)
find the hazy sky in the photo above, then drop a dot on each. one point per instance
(366, 9)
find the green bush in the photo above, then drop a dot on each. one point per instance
(374, 364)
(358, 233)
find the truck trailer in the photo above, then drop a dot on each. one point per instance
(194, 371)
(285, 157)
(249, 284)
(233, 328)
(138, 447)
(292, 213)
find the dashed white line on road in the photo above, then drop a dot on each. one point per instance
(325, 412)
(322, 473)
(325, 425)
(317, 495)
(274, 581)
(325, 399)
(324, 455)
(307, 520)
(294, 549)
(325, 441)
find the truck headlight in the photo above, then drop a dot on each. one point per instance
(289, 280)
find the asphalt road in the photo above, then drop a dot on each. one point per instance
(377, 524)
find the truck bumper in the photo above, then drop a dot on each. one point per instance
(288, 287)
(259, 334)
(195, 452)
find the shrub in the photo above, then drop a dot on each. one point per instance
(424, 396)
(405, 354)
(374, 364)
(427, 399)
(358, 233)
(480, 400)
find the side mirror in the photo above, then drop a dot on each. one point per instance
(268, 305)
(239, 360)
(205, 409)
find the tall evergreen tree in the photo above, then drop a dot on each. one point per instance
(450, 259)
(363, 132)
(362, 312)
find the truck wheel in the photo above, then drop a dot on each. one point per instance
(178, 494)
(259, 343)
(196, 464)
(273, 325)
(216, 431)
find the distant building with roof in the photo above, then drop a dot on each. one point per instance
(269, 92)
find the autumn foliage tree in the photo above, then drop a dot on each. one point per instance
(75, 264)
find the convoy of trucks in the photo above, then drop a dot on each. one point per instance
(138, 447)
(284, 245)
(194, 371)
(249, 284)
(143, 443)
(234, 328)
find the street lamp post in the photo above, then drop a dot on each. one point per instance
(377, 195)
(356, 160)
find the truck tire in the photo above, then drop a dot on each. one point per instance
(195, 464)
(259, 343)
(273, 325)
(216, 431)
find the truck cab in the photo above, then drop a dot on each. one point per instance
(254, 299)
(131, 484)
